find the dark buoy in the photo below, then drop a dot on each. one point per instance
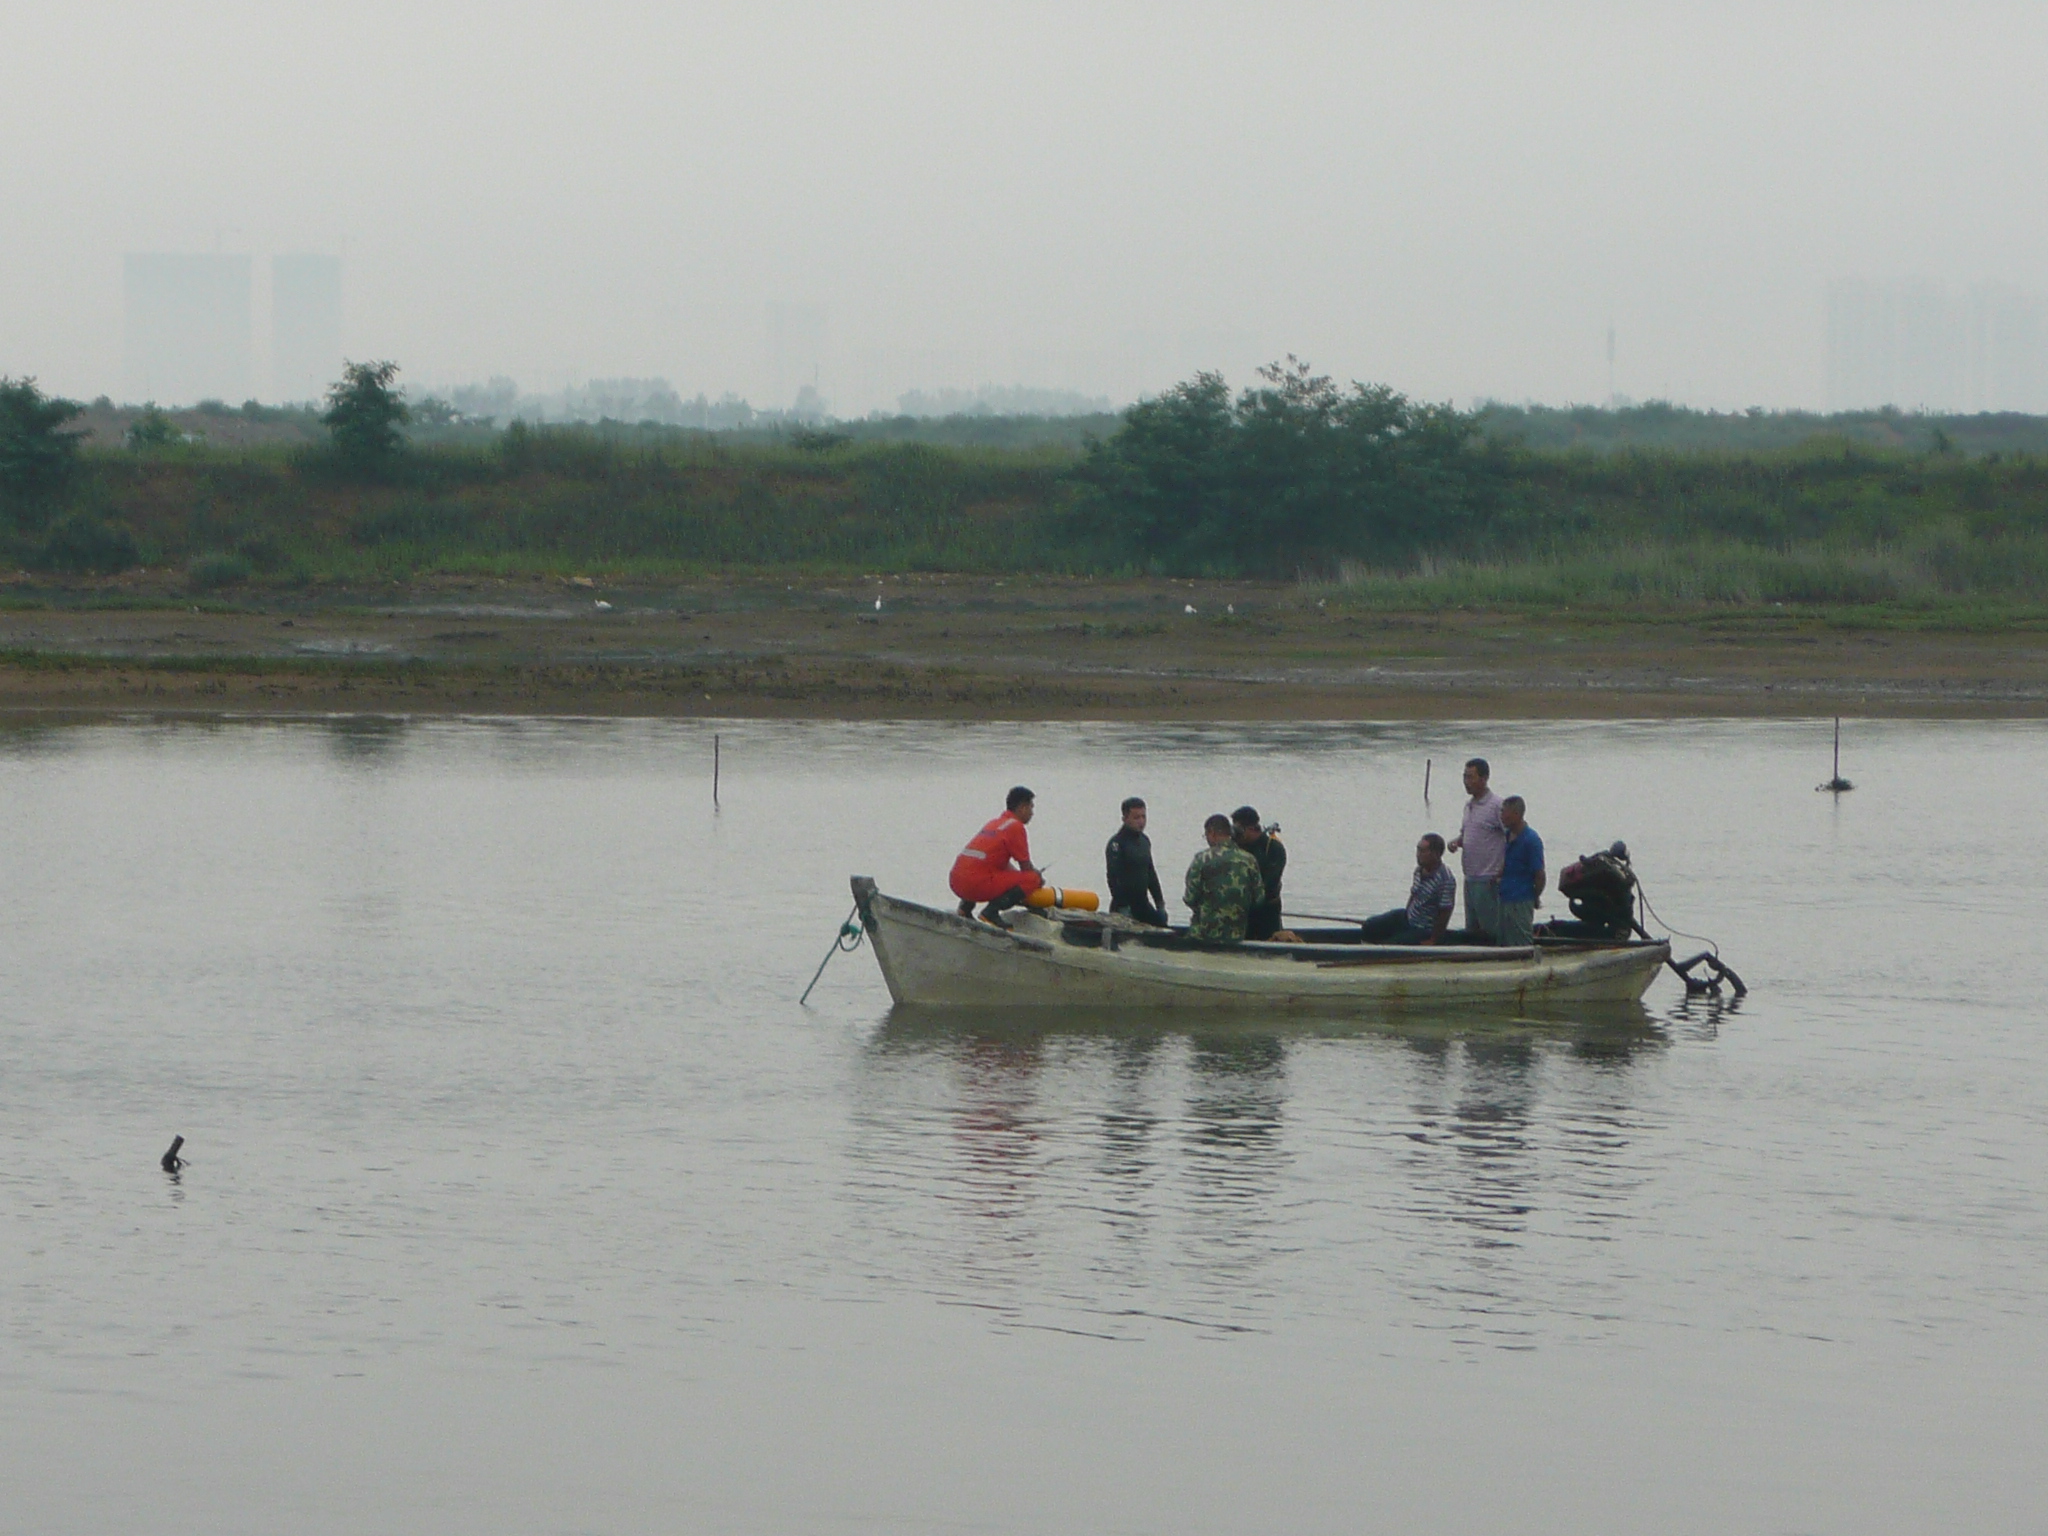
(172, 1162)
(1837, 785)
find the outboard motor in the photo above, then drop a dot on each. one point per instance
(1601, 889)
(1603, 893)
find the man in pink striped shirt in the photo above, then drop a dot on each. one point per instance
(1483, 843)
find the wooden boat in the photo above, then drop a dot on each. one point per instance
(1051, 958)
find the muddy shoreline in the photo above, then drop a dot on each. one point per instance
(964, 648)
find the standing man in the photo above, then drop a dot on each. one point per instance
(1270, 855)
(1521, 875)
(995, 866)
(1133, 882)
(1483, 840)
(1223, 887)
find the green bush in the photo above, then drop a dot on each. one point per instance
(79, 544)
(220, 568)
(263, 553)
(152, 429)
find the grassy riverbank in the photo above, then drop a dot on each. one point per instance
(1372, 501)
(1840, 527)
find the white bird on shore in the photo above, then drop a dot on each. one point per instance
(1189, 609)
(878, 605)
(603, 606)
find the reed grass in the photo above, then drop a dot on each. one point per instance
(1828, 523)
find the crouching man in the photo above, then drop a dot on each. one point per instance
(995, 867)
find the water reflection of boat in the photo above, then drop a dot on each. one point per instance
(1591, 1031)
(1052, 958)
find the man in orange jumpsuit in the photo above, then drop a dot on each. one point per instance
(995, 867)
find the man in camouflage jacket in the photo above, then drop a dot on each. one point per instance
(1223, 886)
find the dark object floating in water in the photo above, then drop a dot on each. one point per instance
(171, 1161)
(1837, 785)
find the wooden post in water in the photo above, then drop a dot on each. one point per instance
(1837, 785)
(1427, 763)
(714, 770)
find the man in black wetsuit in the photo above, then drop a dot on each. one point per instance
(1271, 857)
(1133, 882)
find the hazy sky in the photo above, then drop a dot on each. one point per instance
(1456, 199)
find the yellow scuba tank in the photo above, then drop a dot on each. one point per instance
(1070, 900)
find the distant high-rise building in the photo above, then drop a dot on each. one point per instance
(1860, 349)
(188, 332)
(2008, 350)
(305, 325)
(796, 351)
(1913, 345)
(1901, 344)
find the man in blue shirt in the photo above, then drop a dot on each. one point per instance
(1521, 874)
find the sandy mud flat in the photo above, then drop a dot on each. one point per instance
(961, 647)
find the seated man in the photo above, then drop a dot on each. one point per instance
(1521, 875)
(1270, 854)
(1133, 882)
(995, 867)
(1431, 896)
(1222, 888)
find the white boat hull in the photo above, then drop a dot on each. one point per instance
(934, 958)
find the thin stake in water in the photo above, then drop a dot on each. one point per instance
(1427, 764)
(1837, 785)
(714, 770)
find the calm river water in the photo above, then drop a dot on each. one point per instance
(523, 1197)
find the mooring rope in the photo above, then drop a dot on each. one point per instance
(849, 938)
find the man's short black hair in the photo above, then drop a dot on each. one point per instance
(1245, 816)
(1017, 797)
(1516, 801)
(1435, 841)
(1217, 823)
(1133, 804)
(1479, 763)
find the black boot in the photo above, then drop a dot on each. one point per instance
(991, 913)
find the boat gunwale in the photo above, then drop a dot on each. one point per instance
(1325, 956)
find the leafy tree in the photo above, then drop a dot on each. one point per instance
(434, 412)
(364, 414)
(1166, 475)
(1293, 471)
(37, 456)
(152, 429)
